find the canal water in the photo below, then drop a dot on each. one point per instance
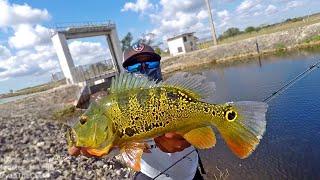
(290, 148)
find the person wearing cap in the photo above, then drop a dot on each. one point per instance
(141, 60)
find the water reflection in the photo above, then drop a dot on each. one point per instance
(290, 147)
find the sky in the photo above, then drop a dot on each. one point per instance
(27, 57)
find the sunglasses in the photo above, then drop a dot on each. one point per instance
(138, 66)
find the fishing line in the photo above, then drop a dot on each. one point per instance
(293, 81)
(267, 99)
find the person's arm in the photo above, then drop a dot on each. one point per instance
(171, 143)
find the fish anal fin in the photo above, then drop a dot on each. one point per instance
(201, 138)
(132, 153)
(242, 144)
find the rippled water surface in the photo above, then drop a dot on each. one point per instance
(290, 148)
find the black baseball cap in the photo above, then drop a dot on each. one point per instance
(133, 54)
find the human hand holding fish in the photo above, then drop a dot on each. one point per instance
(175, 113)
(171, 142)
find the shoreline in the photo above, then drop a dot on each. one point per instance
(234, 59)
(264, 45)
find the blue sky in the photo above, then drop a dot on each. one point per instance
(27, 57)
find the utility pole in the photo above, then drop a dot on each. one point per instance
(213, 30)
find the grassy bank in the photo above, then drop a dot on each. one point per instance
(312, 43)
(268, 29)
(34, 89)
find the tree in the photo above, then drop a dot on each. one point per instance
(230, 32)
(250, 29)
(158, 50)
(147, 39)
(126, 42)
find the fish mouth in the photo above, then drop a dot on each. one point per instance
(74, 150)
(71, 137)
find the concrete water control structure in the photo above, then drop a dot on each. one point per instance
(60, 35)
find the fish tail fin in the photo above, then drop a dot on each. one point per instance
(243, 126)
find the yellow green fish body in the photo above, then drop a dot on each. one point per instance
(138, 109)
(147, 113)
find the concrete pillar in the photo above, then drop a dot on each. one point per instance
(65, 59)
(115, 49)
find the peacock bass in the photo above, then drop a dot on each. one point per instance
(138, 109)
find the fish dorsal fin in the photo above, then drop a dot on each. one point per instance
(132, 152)
(201, 138)
(196, 84)
(127, 81)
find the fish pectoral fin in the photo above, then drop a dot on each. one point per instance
(132, 153)
(201, 138)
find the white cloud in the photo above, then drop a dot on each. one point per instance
(224, 17)
(294, 4)
(203, 14)
(271, 9)
(179, 16)
(88, 52)
(34, 53)
(4, 52)
(138, 6)
(43, 59)
(15, 14)
(29, 62)
(223, 14)
(26, 36)
(248, 7)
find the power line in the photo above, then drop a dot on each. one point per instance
(268, 99)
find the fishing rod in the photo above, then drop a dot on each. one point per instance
(293, 81)
(267, 99)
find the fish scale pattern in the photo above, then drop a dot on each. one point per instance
(161, 110)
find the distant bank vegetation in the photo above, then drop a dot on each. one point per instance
(233, 31)
(35, 89)
(235, 34)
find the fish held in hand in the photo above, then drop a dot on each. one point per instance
(138, 109)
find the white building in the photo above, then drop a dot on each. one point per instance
(182, 43)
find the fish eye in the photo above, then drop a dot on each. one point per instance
(231, 115)
(83, 119)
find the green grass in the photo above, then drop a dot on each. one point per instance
(35, 89)
(313, 39)
(267, 30)
(280, 49)
(67, 111)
